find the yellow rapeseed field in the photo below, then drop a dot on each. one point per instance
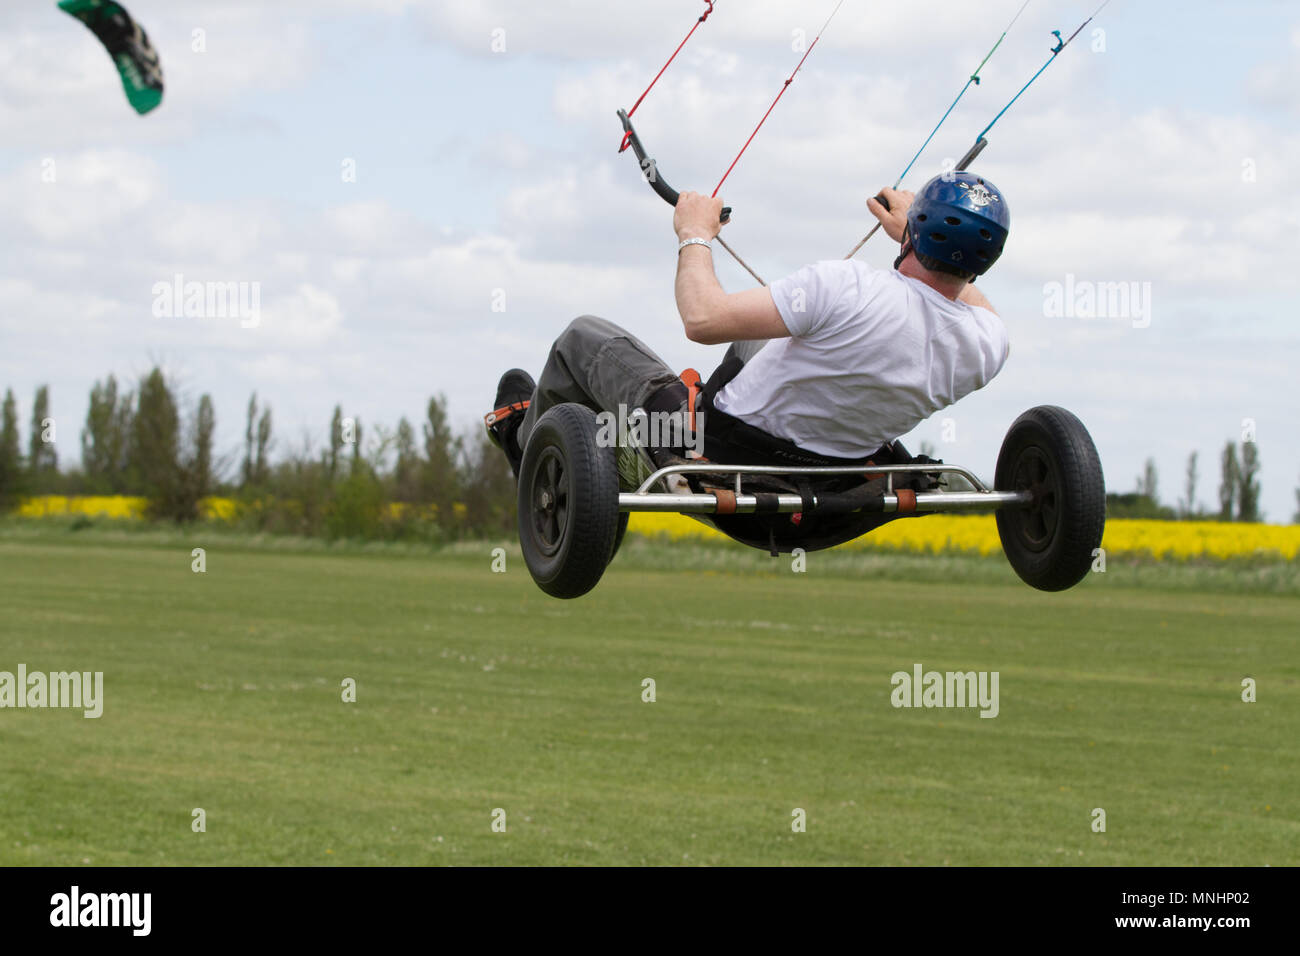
(97, 506)
(122, 507)
(978, 534)
(933, 534)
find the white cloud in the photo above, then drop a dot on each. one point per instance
(307, 318)
(60, 199)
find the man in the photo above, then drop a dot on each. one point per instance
(829, 365)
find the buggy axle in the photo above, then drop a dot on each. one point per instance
(712, 504)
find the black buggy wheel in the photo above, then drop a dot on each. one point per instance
(1051, 542)
(568, 502)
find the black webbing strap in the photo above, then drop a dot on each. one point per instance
(806, 494)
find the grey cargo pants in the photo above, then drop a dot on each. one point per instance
(598, 364)
(602, 365)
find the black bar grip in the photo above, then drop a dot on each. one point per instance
(971, 154)
(650, 171)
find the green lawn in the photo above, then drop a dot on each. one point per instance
(475, 692)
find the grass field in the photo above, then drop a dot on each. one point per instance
(475, 692)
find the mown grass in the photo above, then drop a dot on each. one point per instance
(1239, 576)
(475, 692)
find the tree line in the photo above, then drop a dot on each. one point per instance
(374, 483)
(1238, 492)
(368, 482)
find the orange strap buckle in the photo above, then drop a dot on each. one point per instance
(691, 379)
(501, 414)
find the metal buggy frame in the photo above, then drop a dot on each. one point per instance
(574, 499)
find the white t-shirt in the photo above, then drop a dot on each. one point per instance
(872, 354)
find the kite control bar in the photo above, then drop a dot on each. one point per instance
(962, 165)
(650, 170)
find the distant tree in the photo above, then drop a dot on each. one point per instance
(205, 427)
(106, 438)
(406, 470)
(42, 459)
(256, 469)
(336, 443)
(488, 489)
(358, 462)
(1248, 484)
(195, 468)
(155, 448)
(97, 459)
(1188, 505)
(302, 496)
(1231, 475)
(262, 464)
(248, 469)
(1296, 516)
(122, 428)
(442, 475)
(11, 462)
(357, 509)
(1148, 483)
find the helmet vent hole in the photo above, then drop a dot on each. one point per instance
(922, 218)
(985, 234)
(952, 221)
(938, 237)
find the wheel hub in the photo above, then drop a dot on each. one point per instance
(1035, 473)
(550, 501)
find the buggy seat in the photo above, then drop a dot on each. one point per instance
(731, 441)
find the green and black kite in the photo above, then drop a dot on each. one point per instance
(127, 44)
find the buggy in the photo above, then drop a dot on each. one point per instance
(576, 492)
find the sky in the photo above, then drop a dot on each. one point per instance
(489, 204)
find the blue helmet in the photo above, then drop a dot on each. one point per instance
(958, 223)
